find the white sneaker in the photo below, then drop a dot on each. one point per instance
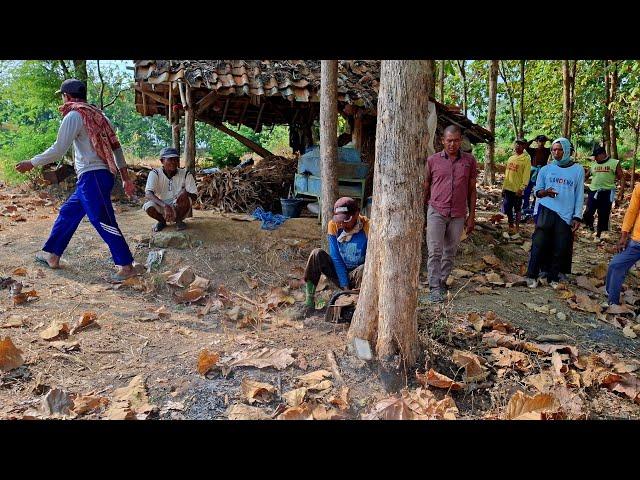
(532, 282)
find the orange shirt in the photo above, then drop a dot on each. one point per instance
(631, 216)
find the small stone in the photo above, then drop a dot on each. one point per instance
(561, 316)
(171, 239)
(363, 349)
(553, 311)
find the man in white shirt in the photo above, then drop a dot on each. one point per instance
(169, 191)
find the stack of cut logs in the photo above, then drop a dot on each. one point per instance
(242, 190)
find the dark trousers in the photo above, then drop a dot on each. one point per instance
(320, 262)
(511, 203)
(618, 268)
(527, 194)
(552, 241)
(601, 205)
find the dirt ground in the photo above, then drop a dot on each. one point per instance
(253, 305)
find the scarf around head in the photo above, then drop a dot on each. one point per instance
(103, 139)
(566, 147)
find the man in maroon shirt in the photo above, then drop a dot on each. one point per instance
(450, 206)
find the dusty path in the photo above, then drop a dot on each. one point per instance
(246, 266)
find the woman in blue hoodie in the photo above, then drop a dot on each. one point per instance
(560, 192)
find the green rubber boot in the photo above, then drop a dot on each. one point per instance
(310, 290)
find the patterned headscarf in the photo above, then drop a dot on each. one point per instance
(103, 139)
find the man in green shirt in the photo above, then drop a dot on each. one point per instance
(603, 171)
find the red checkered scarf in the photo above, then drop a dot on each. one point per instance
(103, 139)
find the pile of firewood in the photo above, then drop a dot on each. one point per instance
(244, 189)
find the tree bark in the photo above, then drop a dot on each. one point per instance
(503, 73)
(635, 151)
(432, 76)
(489, 173)
(441, 81)
(463, 74)
(572, 93)
(612, 116)
(522, 80)
(189, 132)
(80, 67)
(566, 98)
(606, 132)
(328, 139)
(65, 69)
(386, 312)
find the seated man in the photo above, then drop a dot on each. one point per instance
(628, 248)
(169, 191)
(343, 265)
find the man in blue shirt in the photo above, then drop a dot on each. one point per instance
(560, 190)
(347, 234)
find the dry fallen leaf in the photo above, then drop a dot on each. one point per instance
(619, 310)
(55, 331)
(10, 356)
(295, 397)
(245, 412)
(262, 358)
(627, 384)
(491, 260)
(65, 346)
(473, 370)
(206, 361)
(504, 357)
(83, 404)
(21, 271)
(545, 309)
(23, 297)
(628, 332)
(130, 399)
(87, 319)
(254, 391)
(182, 278)
(200, 282)
(438, 380)
(494, 279)
(193, 294)
(315, 377)
(542, 381)
(537, 407)
(301, 412)
(212, 304)
(393, 408)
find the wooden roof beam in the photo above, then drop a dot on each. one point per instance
(155, 96)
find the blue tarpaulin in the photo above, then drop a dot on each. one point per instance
(270, 221)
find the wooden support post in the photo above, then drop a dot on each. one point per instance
(169, 112)
(226, 107)
(189, 132)
(356, 133)
(259, 117)
(328, 139)
(244, 112)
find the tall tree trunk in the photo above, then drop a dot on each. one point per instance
(80, 67)
(328, 139)
(441, 81)
(463, 75)
(189, 132)
(566, 97)
(386, 312)
(522, 79)
(65, 69)
(612, 117)
(489, 173)
(507, 86)
(433, 72)
(572, 93)
(606, 132)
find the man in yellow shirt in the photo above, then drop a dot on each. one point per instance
(629, 249)
(516, 179)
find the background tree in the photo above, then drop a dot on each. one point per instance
(489, 174)
(328, 138)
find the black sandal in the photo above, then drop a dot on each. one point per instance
(159, 226)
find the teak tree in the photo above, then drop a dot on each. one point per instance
(328, 138)
(489, 174)
(386, 314)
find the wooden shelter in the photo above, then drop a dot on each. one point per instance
(258, 93)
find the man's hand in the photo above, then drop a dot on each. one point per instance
(575, 225)
(169, 213)
(622, 243)
(129, 188)
(24, 167)
(469, 224)
(519, 193)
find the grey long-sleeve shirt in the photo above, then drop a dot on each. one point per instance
(72, 130)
